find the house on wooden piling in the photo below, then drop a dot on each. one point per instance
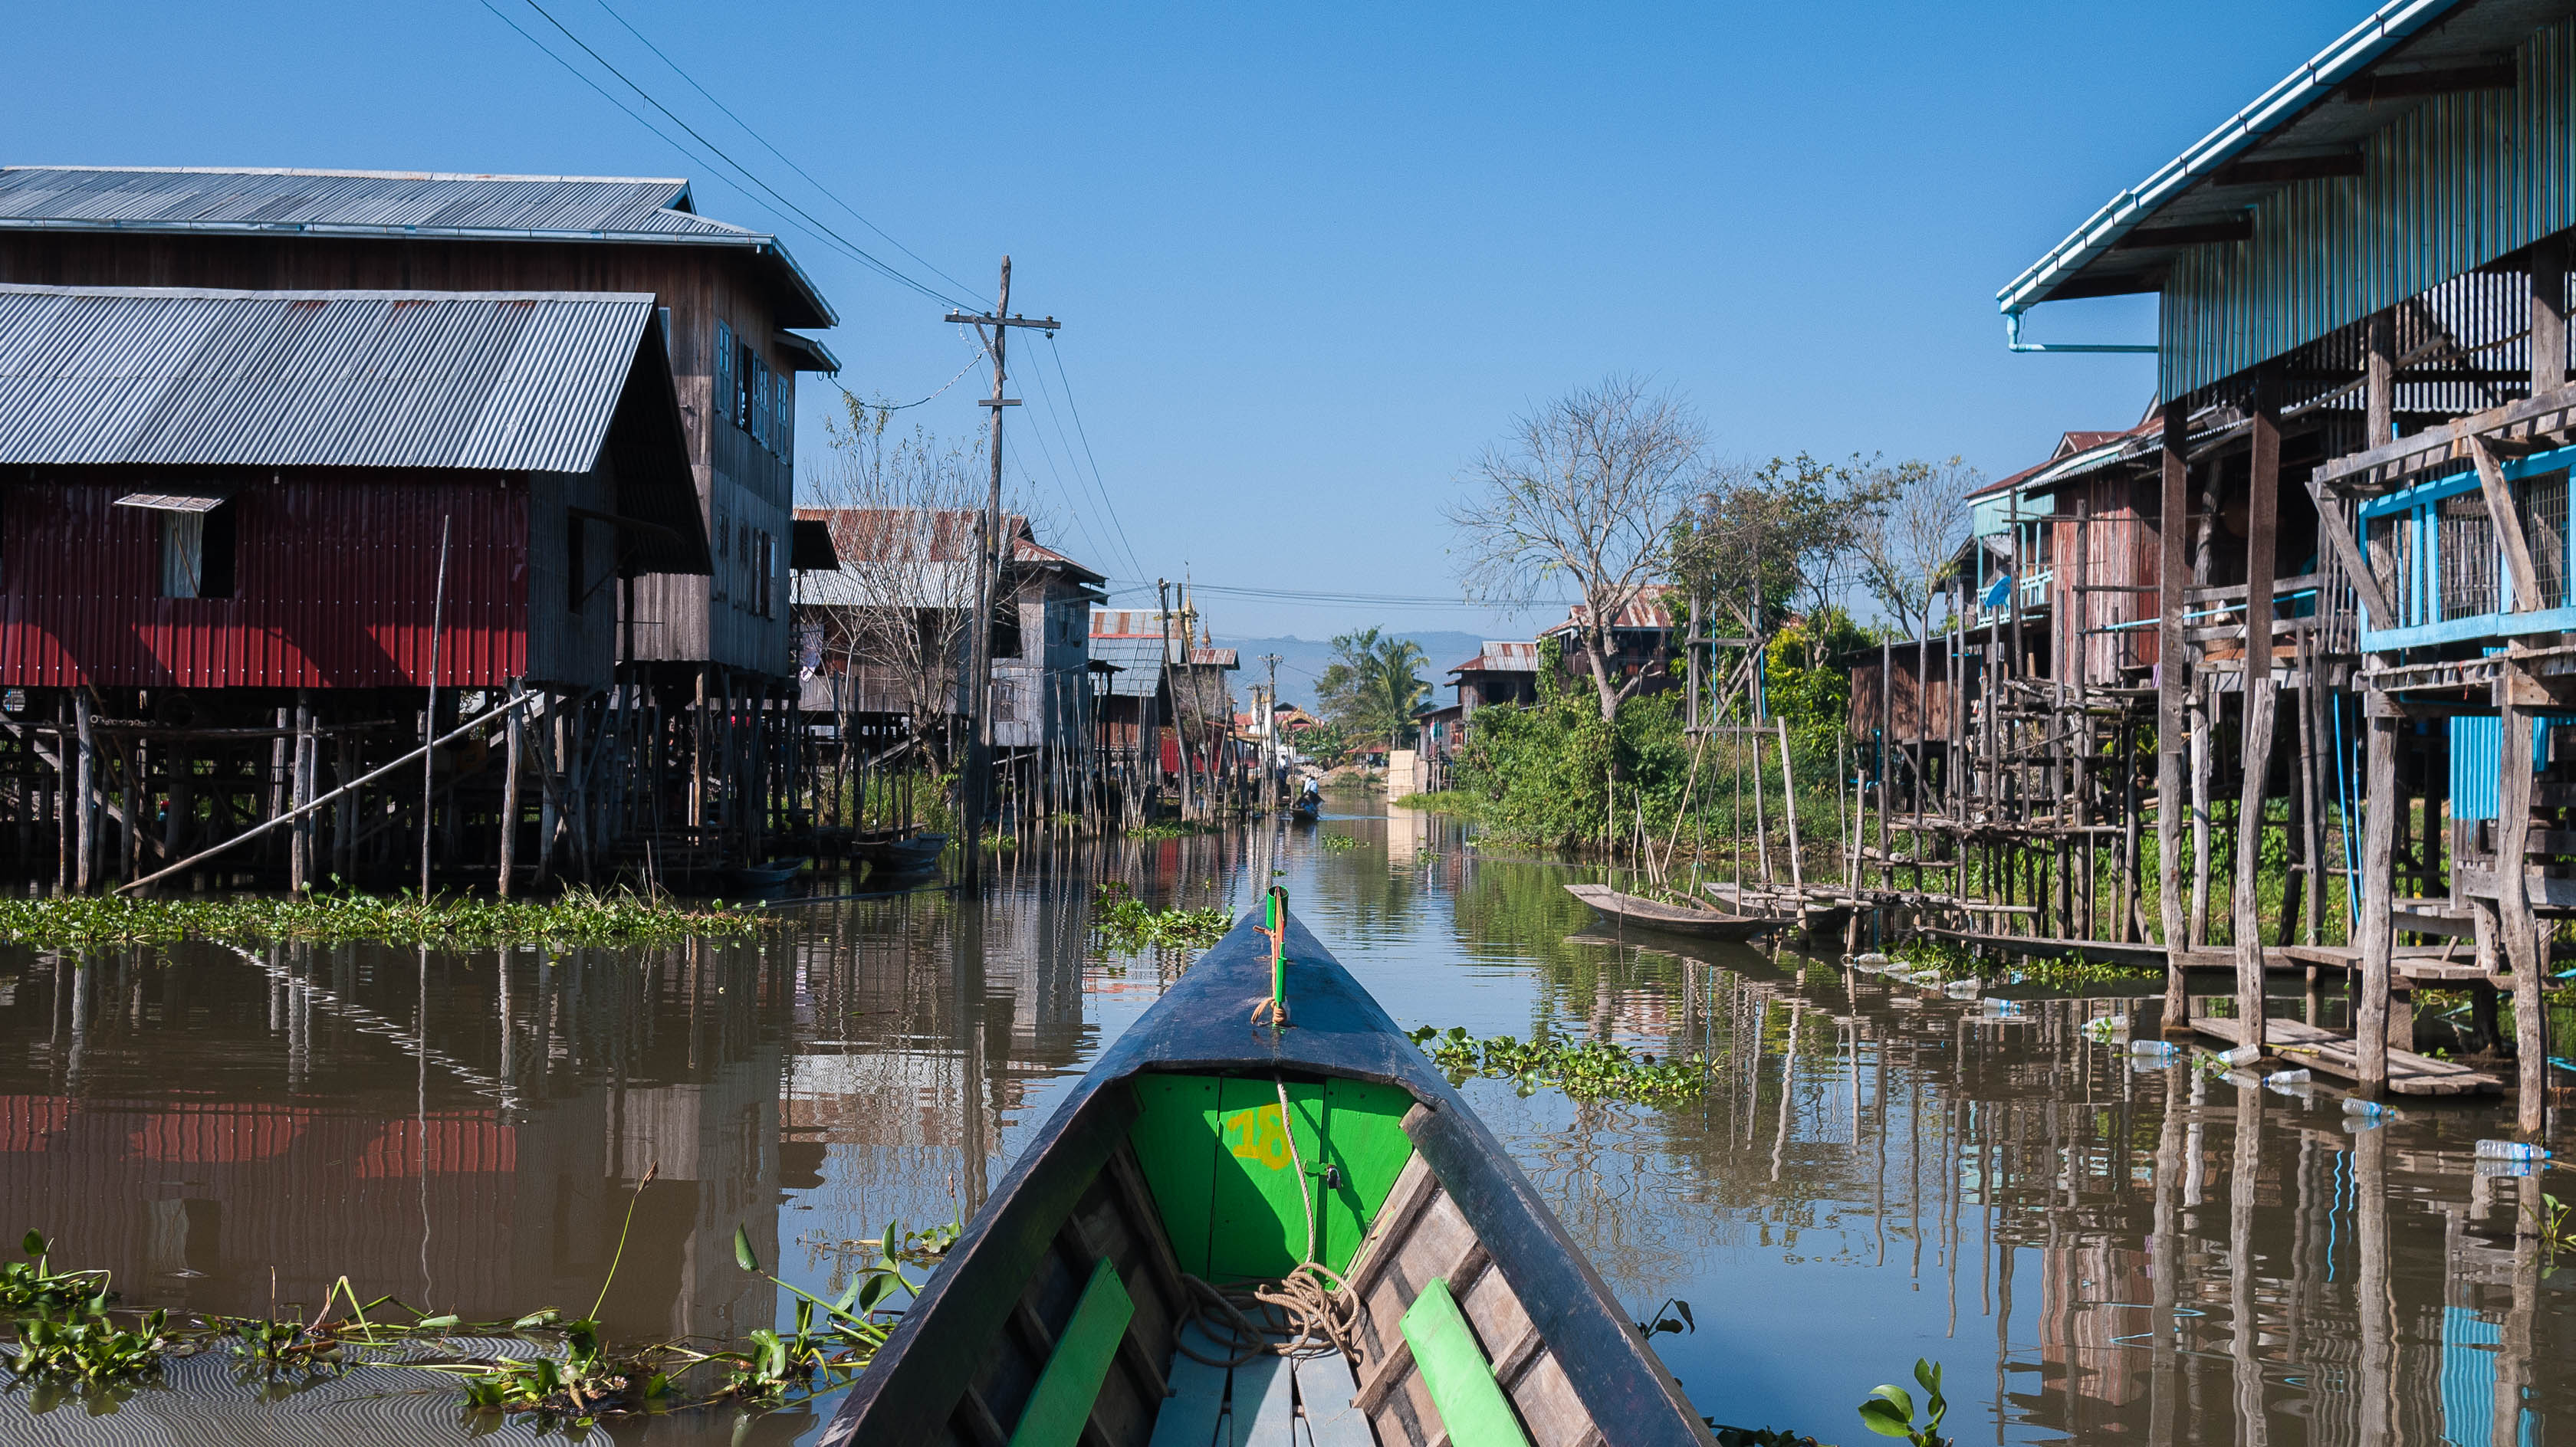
(711, 669)
(1503, 671)
(236, 528)
(2362, 351)
(889, 625)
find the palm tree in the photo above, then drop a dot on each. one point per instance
(1374, 685)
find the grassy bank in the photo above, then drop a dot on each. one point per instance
(576, 918)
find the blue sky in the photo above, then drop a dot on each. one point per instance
(1308, 258)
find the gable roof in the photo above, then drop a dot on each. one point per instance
(1502, 656)
(490, 381)
(642, 210)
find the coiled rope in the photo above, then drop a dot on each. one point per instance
(1307, 1313)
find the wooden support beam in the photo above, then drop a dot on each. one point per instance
(2548, 316)
(2171, 679)
(2235, 228)
(2448, 80)
(2378, 937)
(2379, 379)
(2508, 526)
(2332, 525)
(2262, 542)
(2513, 913)
(2285, 169)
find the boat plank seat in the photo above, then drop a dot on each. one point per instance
(1262, 1411)
(1424, 1238)
(1325, 1388)
(1196, 1406)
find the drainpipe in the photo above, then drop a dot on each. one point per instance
(2013, 341)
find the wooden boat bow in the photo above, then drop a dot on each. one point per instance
(1576, 1371)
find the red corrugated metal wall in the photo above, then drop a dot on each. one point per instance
(335, 574)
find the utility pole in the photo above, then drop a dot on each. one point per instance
(1270, 738)
(974, 790)
(1172, 691)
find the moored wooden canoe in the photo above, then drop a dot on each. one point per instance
(1055, 1316)
(1707, 924)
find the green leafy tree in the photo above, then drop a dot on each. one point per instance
(1373, 685)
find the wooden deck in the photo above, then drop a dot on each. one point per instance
(2329, 1053)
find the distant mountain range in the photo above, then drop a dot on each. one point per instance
(1302, 662)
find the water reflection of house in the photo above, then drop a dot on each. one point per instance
(455, 1172)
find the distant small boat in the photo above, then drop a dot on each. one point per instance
(764, 876)
(903, 853)
(1306, 811)
(1707, 924)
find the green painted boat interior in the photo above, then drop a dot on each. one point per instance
(1223, 1171)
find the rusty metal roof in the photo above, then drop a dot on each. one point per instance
(1502, 656)
(486, 380)
(429, 204)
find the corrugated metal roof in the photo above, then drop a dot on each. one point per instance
(1140, 660)
(632, 209)
(2251, 266)
(89, 197)
(487, 380)
(1501, 656)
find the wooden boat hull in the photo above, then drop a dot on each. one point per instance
(903, 856)
(764, 876)
(1158, 1164)
(1630, 911)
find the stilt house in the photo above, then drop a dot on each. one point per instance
(2365, 429)
(711, 656)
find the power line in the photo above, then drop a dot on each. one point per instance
(1099, 487)
(829, 194)
(1085, 434)
(822, 231)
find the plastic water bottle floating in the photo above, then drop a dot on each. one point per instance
(2286, 1077)
(2154, 1047)
(2355, 1105)
(2511, 1151)
(2241, 1055)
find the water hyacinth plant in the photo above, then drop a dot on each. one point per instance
(1127, 924)
(1593, 1070)
(577, 917)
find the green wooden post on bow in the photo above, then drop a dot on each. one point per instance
(1274, 923)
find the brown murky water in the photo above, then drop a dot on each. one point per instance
(2090, 1247)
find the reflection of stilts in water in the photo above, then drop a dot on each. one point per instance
(2373, 1305)
(1950, 1135)
(2166, 1266)
(2251, 1424)
(966, 986)
(1878, 1216)
(2514, 1345)
(1788, 1083)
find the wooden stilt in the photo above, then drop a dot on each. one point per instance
(514, 743)
(2172, 678)
(2260, 697)
(2378, 887)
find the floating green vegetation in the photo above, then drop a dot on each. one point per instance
(1128, 924)
(1171, 829)
(578, 917)
(1338, 842)
(72, 1344)
(1594, 1070)
(1950, 960)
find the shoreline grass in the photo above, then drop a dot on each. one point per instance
(578, 917)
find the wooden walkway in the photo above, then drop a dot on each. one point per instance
(2330, 1053)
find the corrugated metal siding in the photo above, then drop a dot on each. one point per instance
(313, 379)
(285, 200)
(2457, 183)
(334, 581)
(2476, 745)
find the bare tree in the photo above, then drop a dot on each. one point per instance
(1584, 490)
(902, 510)
(1780, 537)
(1906, 548)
